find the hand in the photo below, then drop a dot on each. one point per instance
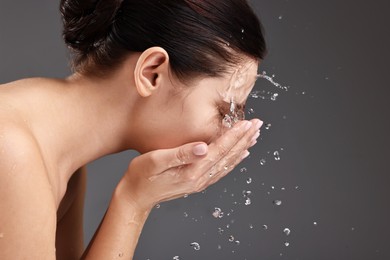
(167, 174)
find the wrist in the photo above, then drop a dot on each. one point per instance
(124, 196)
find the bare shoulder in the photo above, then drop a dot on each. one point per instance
(27, 205)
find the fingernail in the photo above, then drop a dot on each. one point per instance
(253, 143)
(258, 124)
(247, 125)
(245, 155)
(200, 149)
(256, 136)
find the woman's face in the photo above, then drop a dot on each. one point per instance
(200, 112)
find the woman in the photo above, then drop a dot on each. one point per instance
(166, 78)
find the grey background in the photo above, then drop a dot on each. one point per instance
(331, 129)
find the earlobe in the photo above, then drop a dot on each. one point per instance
(151, 67)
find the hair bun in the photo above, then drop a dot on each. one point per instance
(87, 22)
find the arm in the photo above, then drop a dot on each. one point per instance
(160, 176)
(118, 233)
(27, 204)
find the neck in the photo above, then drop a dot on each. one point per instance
(90, 118)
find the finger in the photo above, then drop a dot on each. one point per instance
(164, 159)
(235, 141)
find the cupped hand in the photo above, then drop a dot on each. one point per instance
(167, 174)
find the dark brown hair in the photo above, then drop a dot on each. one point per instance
(202, 37)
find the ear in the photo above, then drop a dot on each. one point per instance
(151, 67)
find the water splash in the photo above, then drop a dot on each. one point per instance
(246, 193)
(277, 202)
(249, 180)
(243, 170)
(264, 75)
(231, 238)
(287, 231)
(195, 246)
(217, 213)
(274, 96)
(277, 156)
(262, 161)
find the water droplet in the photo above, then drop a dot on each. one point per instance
(286, 243)
(237, 242)
(219, 247)
(185, 214)
(248, 202)
(120, 254)
(243, 170)
(231, 238)
(315, 223)
(195, 246)
(249, 180)
(265, 227)
(227, 121)
(217, 213)
(272, 187)
(287, 231)
(185, 196)
(251, 111)
(246, 193)
(280, 17)
(220, 230)
(158, 206)
(242, 30)
(274, 96)
(277, 202)
(226, 168)
(251, 226)
(277, 156)
(303, 92)
(176, 258)
(352, 229)
(296, 187)
(267, 126)
(262, 162)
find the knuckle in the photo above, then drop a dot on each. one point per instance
(181, 156)
(153, 160)
(222, 150)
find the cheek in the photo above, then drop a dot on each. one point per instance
(205, 129)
